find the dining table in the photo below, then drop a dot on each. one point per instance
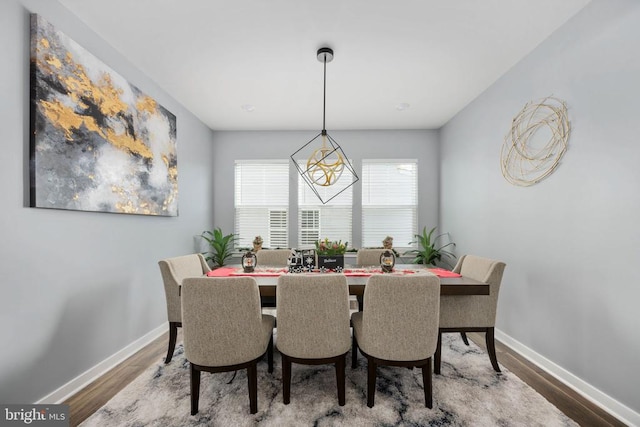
(450, 283)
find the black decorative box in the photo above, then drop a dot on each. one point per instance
(331, 262)
(295, 262)
(309, 259)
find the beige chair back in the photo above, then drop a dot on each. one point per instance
(474, 310)
(313, 315)
(222, 322)
(273, 257)
(174, 271)
(368, 257)
(400, 317)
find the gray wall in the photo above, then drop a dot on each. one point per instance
(409, 144)
(571, 243)
(76, 286)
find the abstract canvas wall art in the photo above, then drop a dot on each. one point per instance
(97, 142)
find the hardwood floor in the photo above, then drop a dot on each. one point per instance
(564, 398)
(91, 398)
(95, 395)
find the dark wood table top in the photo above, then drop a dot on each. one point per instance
(448, 285)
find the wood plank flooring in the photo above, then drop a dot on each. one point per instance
(95, 395)
(564, 398)
(91, 398)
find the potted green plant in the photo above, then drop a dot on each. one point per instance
(221, 246)
(429, 251)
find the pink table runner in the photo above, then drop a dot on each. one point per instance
(353, 272)
(441, 272)
(235, 271)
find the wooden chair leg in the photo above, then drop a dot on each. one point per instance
(286, 379)
(173, 336)
(426, 380)
(195, 388)
(464, 338)
(354, 352)
(270, 355)
(491, 348)
(371, 382)
(437, 356)
(340, 379)
(252, 379)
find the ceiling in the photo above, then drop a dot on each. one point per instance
(216, 56)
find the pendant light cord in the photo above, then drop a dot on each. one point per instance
(324, 97)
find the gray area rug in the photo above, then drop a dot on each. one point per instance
(468, 393)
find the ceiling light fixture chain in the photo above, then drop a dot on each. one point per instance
(324, 98)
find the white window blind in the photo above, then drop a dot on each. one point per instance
(317, 221)
(389, 201)
(309, 220)
(262, 202)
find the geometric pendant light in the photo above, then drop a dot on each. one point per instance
(321, 162)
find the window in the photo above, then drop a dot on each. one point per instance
(317, 221)
(262, 202)
(309, 226)
(389, 201)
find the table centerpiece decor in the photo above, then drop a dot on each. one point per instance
(331, 255)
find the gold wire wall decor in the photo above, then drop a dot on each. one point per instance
(528, 155)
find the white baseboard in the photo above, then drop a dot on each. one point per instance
(82, 380)
(606, 402)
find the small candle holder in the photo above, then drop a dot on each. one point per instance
(249, 262)
(387, 261)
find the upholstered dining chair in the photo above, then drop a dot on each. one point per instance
(173, 271)
(313, 325)
(368, 257)
(273, 257)
(472, 313)
(398, 326)
(224, 330)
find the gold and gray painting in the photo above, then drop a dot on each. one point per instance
(97, 142)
